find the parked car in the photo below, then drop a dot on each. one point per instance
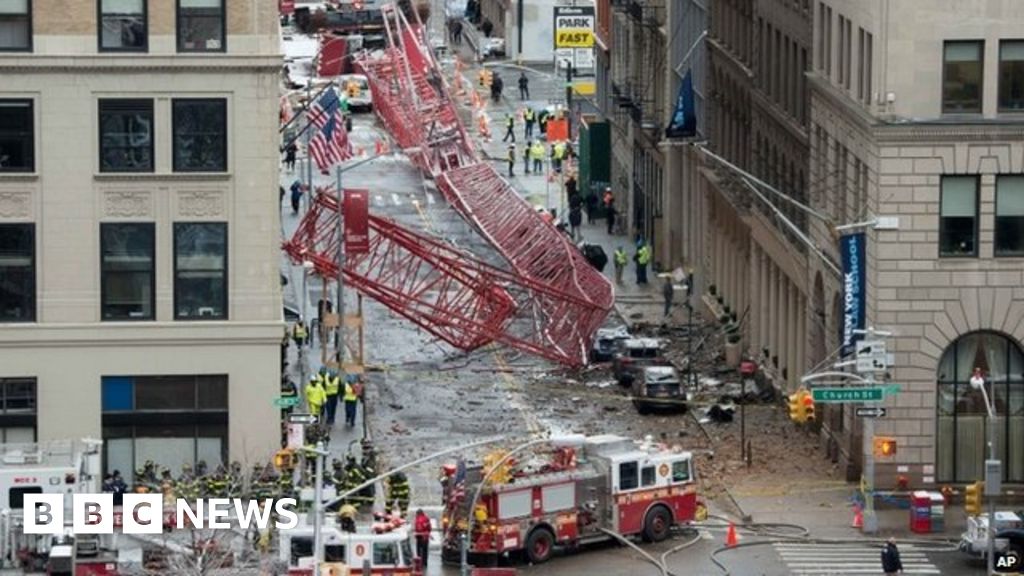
(494, 47)
(634, 354)
(357, 89)
(658, 388)
(607, 342)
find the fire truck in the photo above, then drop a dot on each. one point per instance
(573, 493)
(386, 553)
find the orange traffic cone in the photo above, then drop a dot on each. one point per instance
(378, 149)
(858, 516)
(730, 535)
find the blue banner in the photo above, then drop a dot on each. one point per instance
(684, 118)
(854, 289)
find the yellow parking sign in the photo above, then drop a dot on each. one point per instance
(574, 38)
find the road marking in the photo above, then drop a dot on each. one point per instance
(396, 199)
(809, 559)
(378, 200)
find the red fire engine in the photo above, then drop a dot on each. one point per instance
(567, 496)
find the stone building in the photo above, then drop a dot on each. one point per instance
(139, 293)
(916, 114)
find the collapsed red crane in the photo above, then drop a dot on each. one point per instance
(550, 303)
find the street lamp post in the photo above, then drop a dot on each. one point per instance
(307, 266)
(318, 506)
(993, 467)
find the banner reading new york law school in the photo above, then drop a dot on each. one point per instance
(854, 289)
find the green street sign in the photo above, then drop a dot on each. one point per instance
(286, 401)
(847, 395)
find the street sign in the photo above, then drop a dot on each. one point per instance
(872, 364)
(286, 401)
(866, 348)
(574, 36)
(870, 412)
(302, 418)
(847, 395)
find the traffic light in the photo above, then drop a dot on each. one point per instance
(486, 77)
(796, 407)
(808, 403)
(353, 89)
(885, 447)
(284, 460)
(972, 498)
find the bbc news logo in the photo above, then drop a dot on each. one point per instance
(145, 514)
(1007, 562)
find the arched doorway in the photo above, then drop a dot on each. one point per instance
(961, 420)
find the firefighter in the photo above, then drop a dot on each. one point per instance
(218, 483)
(354, 476)
(146, 475)
(285, 486)
(398, 491)
(336, 477)
(347, 518)
(234, 480)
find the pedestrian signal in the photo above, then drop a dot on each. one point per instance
(284, 460)
(972, 498)
(885, 447)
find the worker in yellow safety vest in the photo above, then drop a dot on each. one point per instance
(331, 381)
(316, 396)
(557, 155)
(642, 259)
(351, 401)
(528, 120)
(537, 155)
(620, 264)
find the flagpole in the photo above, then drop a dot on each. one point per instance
(339, 330)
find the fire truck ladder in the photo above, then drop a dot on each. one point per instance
(447, 292)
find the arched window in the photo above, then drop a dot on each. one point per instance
(960, 436)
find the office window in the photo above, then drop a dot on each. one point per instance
(128, 278)
(1011, 76)
(866, 56)
(1009, 216)
(17, 410)
(126, 135)
(848, 54)
(17, 273)
(821, 36)
(962, 76)
(123, 25)
(958, 218)
(841, 59)
(828, 41)
(200, 271)
(17, 136)
(15, 25)
(200, 135)
(201, 26)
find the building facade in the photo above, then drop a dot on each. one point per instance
(139, 292)
(922, 123)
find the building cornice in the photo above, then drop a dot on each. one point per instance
(731, 57)
(773, 110)
(139, 334)
(31, 63)
(918, 131)
(839, 100)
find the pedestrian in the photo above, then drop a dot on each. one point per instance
(511, 159)
(526, 157)
(609, 216)
(315, 395)
(423, 528)
(571, 186)
(300, 334)
(668, 291)
(351, 398)
(620, 264)
(280, 195)
(575, 219)
(528, 120)
(510, 124)
(591, 208)
(457, 30)
(331, 381)
(296, 196)
(891, 563)
(642, 258)
(497, 85)
(289, 156)
(537, 153)
(524, 86)
(487, 27)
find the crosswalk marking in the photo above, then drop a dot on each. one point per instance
(810, 559)
(396, 199)
(378, 200)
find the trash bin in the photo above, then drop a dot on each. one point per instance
(920, 512)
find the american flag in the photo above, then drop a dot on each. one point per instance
(325, 107)
(330, 144)
(459, 483)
